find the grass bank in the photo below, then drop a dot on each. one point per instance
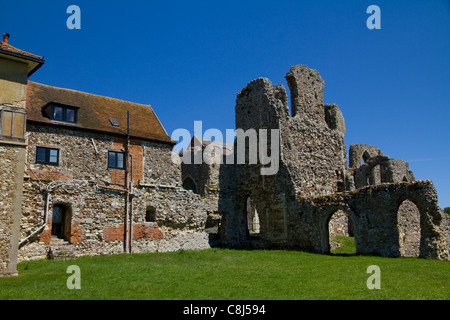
(230, 274)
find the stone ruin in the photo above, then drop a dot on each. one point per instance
(379, 202)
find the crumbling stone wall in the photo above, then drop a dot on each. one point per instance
(313, 182)
(382, 169)
(201, 163)
(358, 152)
(313, 145)
(312, 153)
(408, 218)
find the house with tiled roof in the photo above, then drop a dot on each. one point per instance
(15, 68)
(98, 174)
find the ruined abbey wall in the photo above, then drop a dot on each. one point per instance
(391, 214)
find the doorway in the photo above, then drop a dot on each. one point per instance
(60, 222)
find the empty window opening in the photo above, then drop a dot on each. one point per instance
(252, 218)
(365, 157)
(61, 222)
(150, 214)
(341, 234)
(189, 184)
(408, 223)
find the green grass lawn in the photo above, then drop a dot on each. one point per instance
(347, 245)
(230, 274)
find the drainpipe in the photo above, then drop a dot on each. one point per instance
(130, 197)
(126, 242)
(45, 219)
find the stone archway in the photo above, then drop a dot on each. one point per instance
(189, 184)
(340, 233)
(338, 229)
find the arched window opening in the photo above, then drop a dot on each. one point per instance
(408, 222)
(150, 214)
(189, 184)
(61, 222)
(365, 157)
(252, 218)
(341, 234)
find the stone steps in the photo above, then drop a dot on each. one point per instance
(60, 249)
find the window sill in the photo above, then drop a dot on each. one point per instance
(14, 141)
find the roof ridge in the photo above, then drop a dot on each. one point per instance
(13, 49)
(91, 94)
(97, 112)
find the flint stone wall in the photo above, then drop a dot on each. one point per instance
(295, 204)
(382, 169)
(94, 197)
(97, 220)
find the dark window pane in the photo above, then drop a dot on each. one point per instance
(47, 155)
(111, 159)
(70, 115)
(116, 160)
(57, 113)
(40, 154)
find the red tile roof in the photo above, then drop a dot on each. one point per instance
(9, 48)
(95, 112)
(35, 61)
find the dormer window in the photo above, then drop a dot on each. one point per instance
(64, 113)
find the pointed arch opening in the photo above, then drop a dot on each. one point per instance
(365, 157)
(253, 223)
(341, 235)
(189, 184)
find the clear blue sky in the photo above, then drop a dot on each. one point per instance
(188, 60)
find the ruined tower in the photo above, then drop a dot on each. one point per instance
(314, 181)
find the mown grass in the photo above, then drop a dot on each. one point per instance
(220, 274)
(347, 245)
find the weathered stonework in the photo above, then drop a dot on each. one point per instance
(15, 68)
(80, 206)
(314, 182)
(94, 197)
